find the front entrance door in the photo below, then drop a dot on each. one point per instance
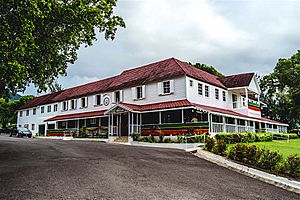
(124, 124)
(42, 129)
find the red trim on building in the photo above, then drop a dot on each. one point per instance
(77, 115)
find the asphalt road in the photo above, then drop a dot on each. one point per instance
(55, 169)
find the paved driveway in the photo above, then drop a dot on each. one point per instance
(55, 169)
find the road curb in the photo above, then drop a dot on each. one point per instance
(281, 182)
(74, 139)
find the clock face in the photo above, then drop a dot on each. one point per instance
(106, 101)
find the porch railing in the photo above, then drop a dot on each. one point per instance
(230, 128)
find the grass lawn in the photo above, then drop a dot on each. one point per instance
(284, 147)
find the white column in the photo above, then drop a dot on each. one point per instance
(159, 117)
(118, 125)
(132, 122)
(224, 124)
(182, 116)
(235, 122)
(112, 123)
(128, 123)
(140, 122)
(109, 127)
(246, 92)
(209, 122)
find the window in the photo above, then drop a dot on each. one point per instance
(206, 91)
(166, 87)
(224, 96)
(139, 92)
(34, 111)
(55, 108)
(191, 83)
(98, 100)
(93, 121)
(84, 102)
(27, 112)
(42, 109)
(21, 113)
(33, 127)
(73, 104)
(65, 105)
(117, 96)
(49, 108)
(217, 93)
(200, 89)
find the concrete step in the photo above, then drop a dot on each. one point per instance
(121, 139)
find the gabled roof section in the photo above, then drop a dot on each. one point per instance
(237, 80)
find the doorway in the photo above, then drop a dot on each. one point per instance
(124, 124)
(42, 129)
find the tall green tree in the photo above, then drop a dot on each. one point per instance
(8, 109)
(208, 68)
(281, 91)
(39, 38)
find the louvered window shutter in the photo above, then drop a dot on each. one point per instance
(143, 91)
(133, 91)
(171, 86)
(159, 88)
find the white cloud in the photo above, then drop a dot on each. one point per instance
(233, 36)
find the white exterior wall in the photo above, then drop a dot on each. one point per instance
(193, 96)
(151, 96)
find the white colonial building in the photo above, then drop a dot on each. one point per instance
(168, 97)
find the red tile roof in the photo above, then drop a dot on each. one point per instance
(237, 80)
(158, 71)
(77, 115)
(158, 106)
(186, 103)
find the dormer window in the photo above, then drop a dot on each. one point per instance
(200, 89)
(139, 92)
(55, 107)
(166, 87)
(224, 96)
(34, 111)
(27, 112)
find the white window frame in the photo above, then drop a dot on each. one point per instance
(206, 91)
(191, 83)
(86, 102)
(217, 94)
(64, 106)
(96, 100)
(42, 109)
(55, 107)
(73, 104)
(49, 108)
(224, 96)
(200, 89)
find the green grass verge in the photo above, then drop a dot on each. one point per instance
(282, 146)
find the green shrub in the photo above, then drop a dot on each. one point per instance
(161, 138)
(180, 139)
(220, 148)
(210, 143)
(292, 166)
(149, 138)
(284, 136)
(238, 152)
(247, 137)
(269, 159)
(135, 136)
(168, 140)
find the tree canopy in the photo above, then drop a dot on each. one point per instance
(39, 38)
(281, 91)
(208, 68)
(8, 109)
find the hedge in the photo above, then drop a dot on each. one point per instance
(284, 136)
(247, 137)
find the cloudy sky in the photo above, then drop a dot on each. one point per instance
(234, 36)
